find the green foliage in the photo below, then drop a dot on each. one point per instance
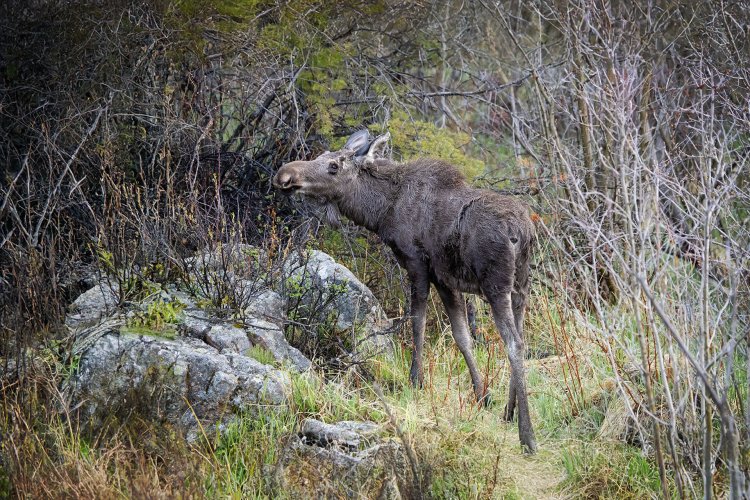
(157, 320)
(307, 41)
(160, 313)
(224, 15)
(71, 368)
(296, 287)
(414, 138)
(106, 258)
(391, 370)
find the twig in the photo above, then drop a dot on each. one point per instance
(410, 454)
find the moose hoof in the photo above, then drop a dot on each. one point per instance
(529, 447)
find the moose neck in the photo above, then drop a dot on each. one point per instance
(366, 200)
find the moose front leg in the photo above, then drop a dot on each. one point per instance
(420, 289)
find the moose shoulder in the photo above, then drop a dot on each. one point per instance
(444, 233)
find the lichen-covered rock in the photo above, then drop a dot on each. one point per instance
(331, 294)
(271, 337)
(239, 336)
(181, 381)
(267, 305)
(228, 338)
(346, 434)
(92, 306)
(264, 318)
(342, 460)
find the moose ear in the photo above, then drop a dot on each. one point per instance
(377, 148)
(358, 142)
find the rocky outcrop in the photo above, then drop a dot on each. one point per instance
(342, 460)
(92, 306)
(195, 374)
(330, 294)
(195, 368)
(240, 336)
(181, 381)
(267, 305)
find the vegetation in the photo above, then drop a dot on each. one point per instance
(465, 451)
(136, 134)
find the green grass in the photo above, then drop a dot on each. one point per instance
(242, 453)
(610, 471)
(316, 398)
(261, 355)
(463, 451)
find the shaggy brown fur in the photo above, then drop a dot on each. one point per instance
(443, 232)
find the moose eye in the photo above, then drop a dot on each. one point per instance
(333, 167)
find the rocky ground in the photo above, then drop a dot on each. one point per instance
(210, 360)
(173, 360)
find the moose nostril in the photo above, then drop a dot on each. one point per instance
(283, 180)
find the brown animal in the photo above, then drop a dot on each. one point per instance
(443, 232)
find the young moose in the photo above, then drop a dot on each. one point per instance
(443, 232)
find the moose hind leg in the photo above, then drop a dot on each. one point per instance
(455, 306)
(502, 312)
(518, 300)
(510, 406)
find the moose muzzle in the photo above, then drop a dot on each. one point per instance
(287, 178)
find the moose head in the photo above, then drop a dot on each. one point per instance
(327, 176)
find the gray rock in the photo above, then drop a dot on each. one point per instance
(200, 378)
(271, 337)
(173, 294)
(235, 268)
(225, 258)
(347, 434)
(343, 460)
(228, 338)
(92, 306)
(196, 323)
(181, 381)
(331, 292)
(267, 305)
(239, 336)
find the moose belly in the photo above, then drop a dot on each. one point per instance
(456, 278)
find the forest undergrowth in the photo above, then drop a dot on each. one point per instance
(463, 451)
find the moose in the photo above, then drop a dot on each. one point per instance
(444, 233)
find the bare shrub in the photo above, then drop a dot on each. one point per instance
(644, 134)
